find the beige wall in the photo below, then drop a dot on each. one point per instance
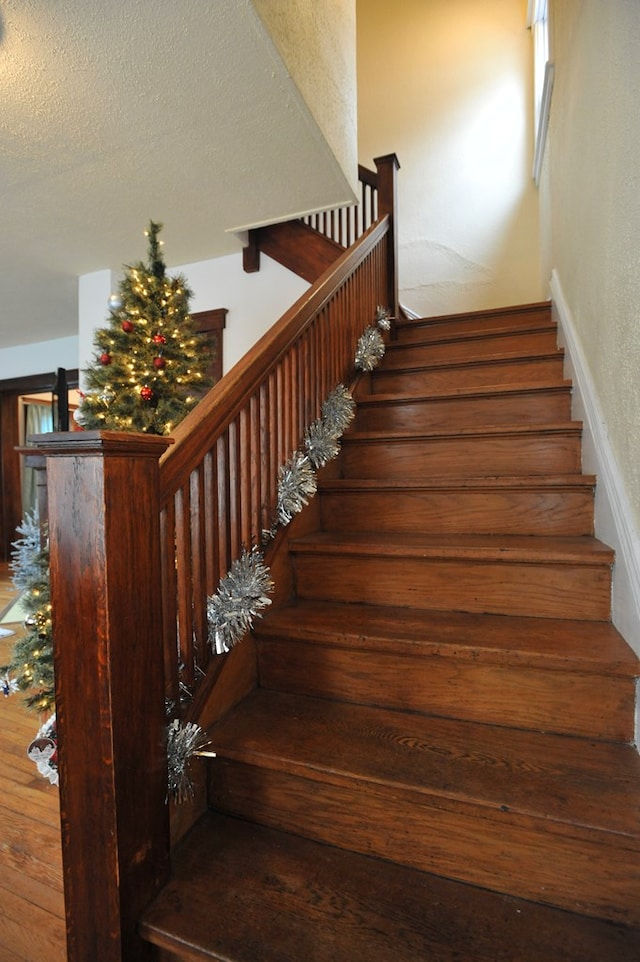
(590, 193)
(447, 86)
(316, 40)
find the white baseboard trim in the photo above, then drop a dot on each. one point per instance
(614, 522)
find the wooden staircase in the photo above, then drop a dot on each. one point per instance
(437, 763)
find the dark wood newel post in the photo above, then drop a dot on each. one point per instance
(387, 168)
(106, 610)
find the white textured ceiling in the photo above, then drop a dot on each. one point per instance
(115, 112)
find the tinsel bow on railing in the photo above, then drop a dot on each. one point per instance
(296, 484)
(242, 594)
(185, 740)
(370, 350)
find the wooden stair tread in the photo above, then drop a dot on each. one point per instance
(243, 893)
(490, 430)
(528, 482)
(466, 393)
(445, 762)
(445, 336)
(530, 549)
(498, 357)
(542, 308)
(584, 646)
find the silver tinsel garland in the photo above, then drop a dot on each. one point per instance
(241, 595)
(184, 740)
(321, 443)
(383, 318)
(370, 349)
(296, 484)
(338, 410)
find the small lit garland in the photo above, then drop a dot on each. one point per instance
(32, 654)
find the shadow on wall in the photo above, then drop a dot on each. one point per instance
(437, 279)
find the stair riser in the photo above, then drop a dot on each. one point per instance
(468, 457)
(541, 407)
(496, 849)
(460, 512)
(411, 355)
(530, 370)
(542, 590)
(514, 696)
(433, 330)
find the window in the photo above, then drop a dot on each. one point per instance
(538, 22)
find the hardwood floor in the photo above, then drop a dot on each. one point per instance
(31, 901)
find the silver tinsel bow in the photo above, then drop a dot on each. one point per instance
(383, 318)
(26, 563)
(338, 410)
(240, 597)
(321, 443)
(184, 740)
(370, 349)
(296, 484)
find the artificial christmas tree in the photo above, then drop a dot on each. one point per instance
(150, 362)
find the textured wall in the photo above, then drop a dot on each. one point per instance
(317, 42)
(447, 85)
(591, 202)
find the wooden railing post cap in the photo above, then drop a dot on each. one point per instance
(100, 443)
(387, 159)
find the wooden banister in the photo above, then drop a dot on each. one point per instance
(218, 482)
(106, 609)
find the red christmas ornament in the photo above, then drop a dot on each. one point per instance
(127, 326)
(146, 393)
(159, 339)
(105, 359)
(159, 363)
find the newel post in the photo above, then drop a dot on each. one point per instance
(387, 168)
(106, 612)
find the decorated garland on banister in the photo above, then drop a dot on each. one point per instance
(242, 594)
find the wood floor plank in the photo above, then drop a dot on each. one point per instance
(29, 932)
(32, 926)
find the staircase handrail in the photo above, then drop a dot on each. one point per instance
(218, 481)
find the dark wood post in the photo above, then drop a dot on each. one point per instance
(387, 168)
(107, 630)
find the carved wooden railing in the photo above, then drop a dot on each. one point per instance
(140, 534)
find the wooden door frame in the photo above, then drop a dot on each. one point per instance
(10, 487)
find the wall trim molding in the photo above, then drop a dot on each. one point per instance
(614, 522)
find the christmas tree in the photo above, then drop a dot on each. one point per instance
(150, 362)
